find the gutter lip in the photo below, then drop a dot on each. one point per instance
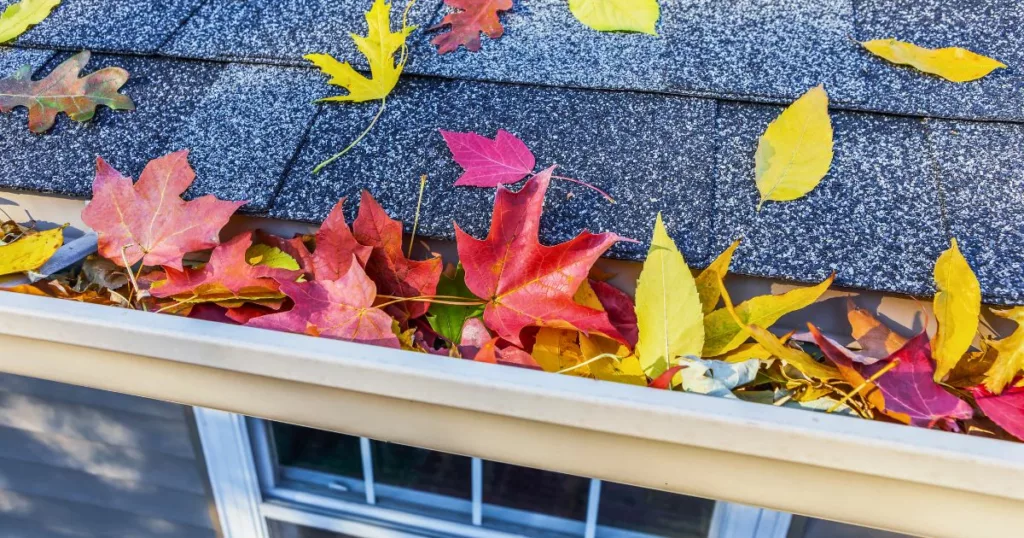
(934, 458)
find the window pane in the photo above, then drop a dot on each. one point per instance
(317, 450)
(535, 490)
(654, 512)
(421, 470)
(279, 529)
(805, 527)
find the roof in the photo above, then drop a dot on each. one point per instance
(664, 124)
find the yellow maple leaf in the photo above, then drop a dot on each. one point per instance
(668, 309)
(1009, 360)
(21, 16)
(795, 151)
(617, 15)
(30, 252)
(951, 63)
(379, 46)
(957, 306)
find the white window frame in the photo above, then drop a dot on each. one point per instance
(249, 490)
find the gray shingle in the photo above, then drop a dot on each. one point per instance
(12, 59)
(983, 192)
(651, 152)
(282, 31)
(240, 146)
(138, 26)
(875, 219)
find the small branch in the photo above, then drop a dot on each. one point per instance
(416, 221)
(894, 363)
(321, 166)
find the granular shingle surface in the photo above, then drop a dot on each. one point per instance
(664, 123)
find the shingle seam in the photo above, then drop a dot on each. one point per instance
(712, 241)
(181, 24)
(936, 166)
(303, 140)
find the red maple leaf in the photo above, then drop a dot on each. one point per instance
(526, 283)
(394, 274)
(336, 247)
(228, 275)
(149, 221)
(1006, 409)
(907, 388)
(476, 16)
(620, 307)
(489, 163)
(341, 309)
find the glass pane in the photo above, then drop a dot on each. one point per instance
(317, 450)
(654, 512)
(534, 490)
(421, 469)
(805, 527)
(279, 529)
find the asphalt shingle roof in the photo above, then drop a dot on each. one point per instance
(664, 124)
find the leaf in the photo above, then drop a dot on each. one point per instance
(791, 356)
(668, 308)
(228, 276)
(379, 47)
(557, 349)
(336, 247)
(617, 15)
(474, 336)
(957, 306)
(626, 369)
(951, 63)
(707, 282)
(908, 387)
(1009, 360)
(489, 163)
(149, 221)
(341, 309)
(30, 252)
(268, 256)
(23, 15)
(63, 91)
(1006, 410)
(795, 152)
(475, 17)
(723, 334)
(394, 274)
(971, 369)
(523, 282)
(448, 320)
(876, 340)
(620, 308)
(717, 378)
(664, 381)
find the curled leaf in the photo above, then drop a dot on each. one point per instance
(957, 306)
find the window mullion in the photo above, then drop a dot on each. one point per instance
(364, 449)
(477, 490)
(732, 520)
(593, 505)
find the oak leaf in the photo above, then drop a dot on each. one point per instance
(795, 152)
(63, 91)
(957, 306)
(30, 251)
(149, 221)
(472, 18)
(1009, 361)
(394, 273)
(951, 63)
(341, 309)
(617, 15)
(523, 282)
(22, 15)
(489, 163)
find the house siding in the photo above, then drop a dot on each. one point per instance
(83, 463)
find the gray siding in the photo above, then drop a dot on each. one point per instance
(84, 463)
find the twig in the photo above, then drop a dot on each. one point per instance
(416, 221)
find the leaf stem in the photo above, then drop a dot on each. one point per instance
(440, 299)
(321, 166)
(131, 276)
(894, 363)
(587, 185)
(416, 221)
(590, 361)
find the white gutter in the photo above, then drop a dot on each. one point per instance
(888, 476)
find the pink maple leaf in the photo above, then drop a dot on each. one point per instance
(489, 163)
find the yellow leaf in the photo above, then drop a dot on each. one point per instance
(268, 256)
(795, 152)
(794, 357)
(749, 351)
(556, 349)
(30, 252)
(707, 281)
(957, 307)
(877, 340)
(668, 311)
(586, 296)
(951, 63)
(625, 369)
(379, 47)
(1010, 358)
(617, 15)
(21, 16)
(723, 334)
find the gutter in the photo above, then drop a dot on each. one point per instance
(866, 473)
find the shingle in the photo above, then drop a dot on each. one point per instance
(242, 124)
(282, 31)
(875, 218)
(983, 191)
(652, 152)
(991, 27)
(12, 59)
(138, 26)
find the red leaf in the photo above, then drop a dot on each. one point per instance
(211, 312)
(341, 309)
(524, 282)
(227, 275)
(908, 387)
(474, 336)
(294, 247)
(489, 163)
(248, 312)
(1006, 409)
(336, 246)
(620, 307)
(664, 381)
(476, 16)
(149, 221)
(393, 273)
